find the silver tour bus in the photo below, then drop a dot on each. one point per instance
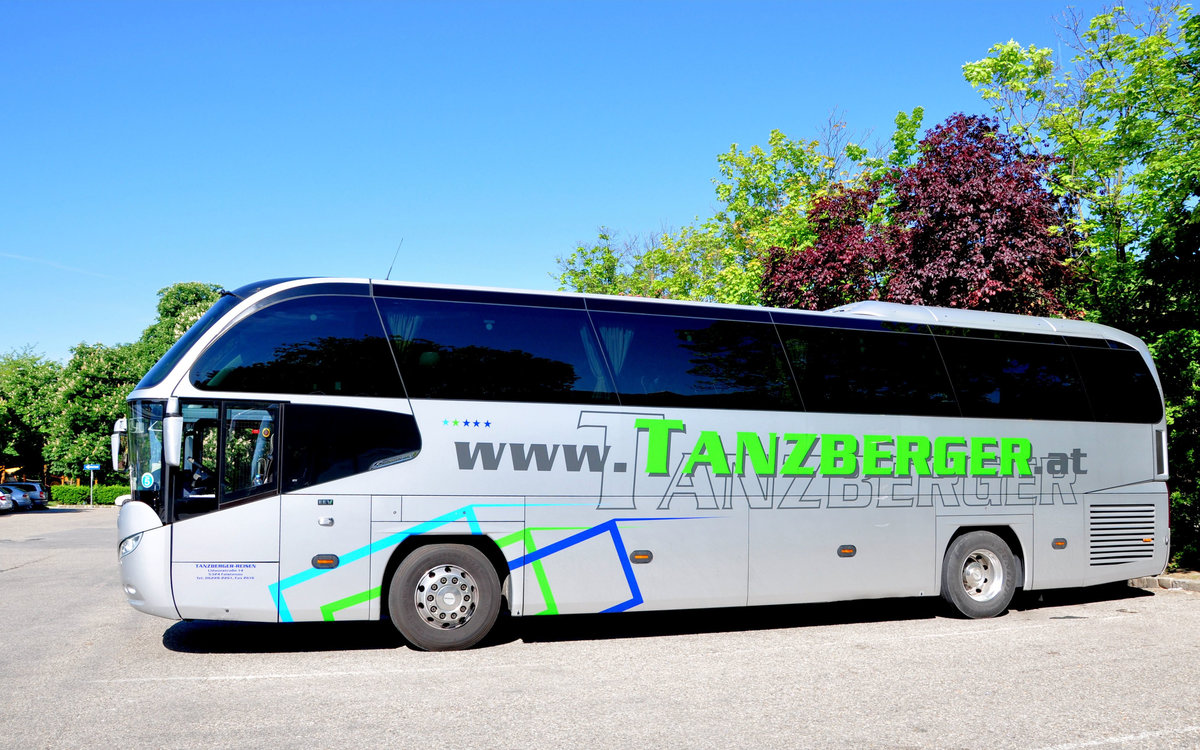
(333, 449)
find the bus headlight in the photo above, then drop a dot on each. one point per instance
(130, 544)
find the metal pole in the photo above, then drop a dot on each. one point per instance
(92, 488)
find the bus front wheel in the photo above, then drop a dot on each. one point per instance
(444, 597)
(979, 575)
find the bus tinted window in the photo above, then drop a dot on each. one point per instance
(469, 350)
(1014, 379)
(1119, 385)
(249, 464)
(674, 361)
(329, 345)
(868, 372)
(228, 455)
(324, 443)
(163, 367)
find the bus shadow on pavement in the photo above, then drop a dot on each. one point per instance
(723, 620)
(1028, 601)
(220, 637)
(791, 616)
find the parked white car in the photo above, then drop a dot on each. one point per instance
(37, 494)
(20, 498)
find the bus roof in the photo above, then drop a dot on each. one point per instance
(872, 309)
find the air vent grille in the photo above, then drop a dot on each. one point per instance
(1119, 534)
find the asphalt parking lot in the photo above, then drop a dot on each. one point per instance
(1107, 667)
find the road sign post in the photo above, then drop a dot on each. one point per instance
(91, 470)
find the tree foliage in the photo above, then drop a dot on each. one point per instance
(766, 197)
(978, 228)
(90, 397)
(79, 401)
(683, 266)
(848, 261)
(27, 385)
(179, 306)
(1123, 116)
(970, 224)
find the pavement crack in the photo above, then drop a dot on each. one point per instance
(26, 563)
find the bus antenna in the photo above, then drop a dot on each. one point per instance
(397, 255)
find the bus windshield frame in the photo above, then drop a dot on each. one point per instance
(146, 465)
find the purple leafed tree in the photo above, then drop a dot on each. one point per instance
(978, 227)
(847, 263)
(971, 224)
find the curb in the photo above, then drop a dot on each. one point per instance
(1165, 582)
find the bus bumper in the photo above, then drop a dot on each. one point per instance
(144, 551)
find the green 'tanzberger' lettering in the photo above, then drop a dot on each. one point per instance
(836, 454)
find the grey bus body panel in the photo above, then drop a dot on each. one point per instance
(146, 571)
(716, 540)
(224, 564)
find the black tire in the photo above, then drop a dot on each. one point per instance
(979, 575)
(459, 597)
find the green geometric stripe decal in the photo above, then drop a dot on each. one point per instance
(539, 571)
(525, 536)
(327, 610)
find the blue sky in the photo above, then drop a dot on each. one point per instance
(147, 143)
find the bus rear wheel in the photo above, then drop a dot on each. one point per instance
(444, 597)
(979, 575)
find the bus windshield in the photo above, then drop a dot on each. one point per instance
(146, 452)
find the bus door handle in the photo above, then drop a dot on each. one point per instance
(326, 521)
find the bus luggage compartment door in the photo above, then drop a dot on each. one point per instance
(324, 564)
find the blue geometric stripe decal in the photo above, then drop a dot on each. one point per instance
(467, 513)
(608, 527)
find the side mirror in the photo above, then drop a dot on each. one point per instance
(172, 436)
(118, 459)
(118, 454)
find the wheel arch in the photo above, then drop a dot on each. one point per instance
(481, 542)
(1006, 533)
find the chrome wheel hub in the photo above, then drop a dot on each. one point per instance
(982, 575)
(445, 597)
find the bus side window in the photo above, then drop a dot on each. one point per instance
(249, 455)
(324, 443)
(323, 344)
(528, 353)
(670, 360)
(194, 488)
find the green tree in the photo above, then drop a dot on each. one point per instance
(90, 397)
(1121, 116)
(1170, 296)
(1124, 117)
(632, 267)
(89, 392)
(27, 386)
(179, 306)
(766, 196)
